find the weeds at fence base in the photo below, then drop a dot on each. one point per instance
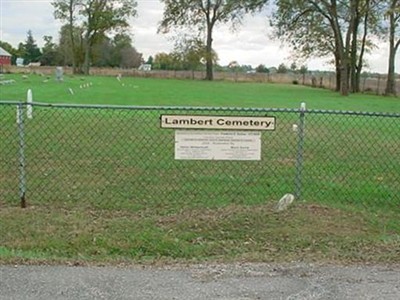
(305, 232)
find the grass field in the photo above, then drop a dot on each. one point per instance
(161, 92)
(103, 186)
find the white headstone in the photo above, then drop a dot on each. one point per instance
(29, 108)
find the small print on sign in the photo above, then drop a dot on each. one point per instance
(217, 145)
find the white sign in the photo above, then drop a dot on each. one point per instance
(217, 145)
(217, 122)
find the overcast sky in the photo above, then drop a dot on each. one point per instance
(250, 44)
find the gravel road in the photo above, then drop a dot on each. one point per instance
(209, 281)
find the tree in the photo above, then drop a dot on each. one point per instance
(328, 27)
(71, 50)
(204, 15)
(262, 69)
(293, 67)
(50, 55)
(96, 17)
(102, 53)
(116, 52)
(303, 71)
(21, 51)
(364, 20)
(150, 60)
(131, 58)
(163, 61)
(282, 69)
(102, 16)
(393, 16)
(191, 52)
(124, 55)
(31, 50)
(66, 10)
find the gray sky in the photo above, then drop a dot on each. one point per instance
(250, 44)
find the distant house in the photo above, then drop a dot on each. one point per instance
(5, 58)
(145, 67)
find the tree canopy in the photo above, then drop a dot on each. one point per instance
(95, 18)
(341, 29)
(31, 51)
(94, 33)
(203, 16)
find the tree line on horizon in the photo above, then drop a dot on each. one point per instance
(94, 33)
(118, 51)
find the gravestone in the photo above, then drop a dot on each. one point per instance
(59, 74)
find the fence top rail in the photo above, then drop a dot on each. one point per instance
(133, 107)
(205, 108)
(353, 113)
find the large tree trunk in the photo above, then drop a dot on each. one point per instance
(344, 79)
(362, 51)
(337, 69)
(209, 61)
(337, 89)
(354, 22)
(342, 69)
(73, 48)
(71, 35)
(86, 63)
(341, 52)
(344, 64)
(391, 80)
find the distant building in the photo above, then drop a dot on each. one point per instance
(5, 58)
(145, 67)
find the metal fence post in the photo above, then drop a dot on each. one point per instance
(21, 154)
(299, 152)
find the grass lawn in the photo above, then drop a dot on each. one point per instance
(103, 185)
(164, 92)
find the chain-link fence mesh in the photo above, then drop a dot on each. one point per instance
(120, 158)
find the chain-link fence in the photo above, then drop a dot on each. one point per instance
(119, 158)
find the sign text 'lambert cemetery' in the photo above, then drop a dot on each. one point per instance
(217, 122)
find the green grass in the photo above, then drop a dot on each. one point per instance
(162, 92)
(245, 233)
(103, 186)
